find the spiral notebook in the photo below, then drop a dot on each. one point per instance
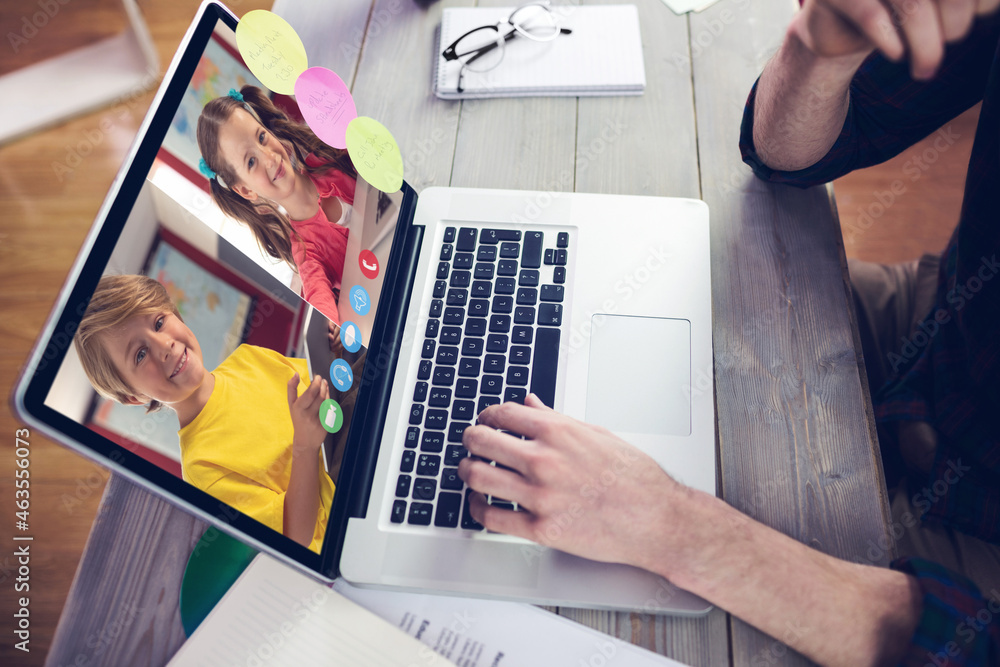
(602, 55)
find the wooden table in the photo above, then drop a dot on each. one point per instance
(796, 438)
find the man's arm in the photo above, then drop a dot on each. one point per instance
(832, 611)
(802, 96)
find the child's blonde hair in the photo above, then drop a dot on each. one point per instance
(116, 299)
(268, 224)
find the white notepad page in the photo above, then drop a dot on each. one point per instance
(279, 617)
(602, 56)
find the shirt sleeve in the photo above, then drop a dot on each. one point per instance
(889, 111)
(958, 626)
(316, 286)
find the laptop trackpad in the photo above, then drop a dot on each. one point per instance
(639, 379)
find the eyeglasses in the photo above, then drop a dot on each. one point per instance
(481, 49)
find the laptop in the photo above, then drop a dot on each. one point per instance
(449, 302)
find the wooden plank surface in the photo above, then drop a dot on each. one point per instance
(124, 608)
(797, 450)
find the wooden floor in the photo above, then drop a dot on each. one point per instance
(46, 218)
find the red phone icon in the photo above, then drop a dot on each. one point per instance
(369, 264)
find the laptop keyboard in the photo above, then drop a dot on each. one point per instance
(492, 335)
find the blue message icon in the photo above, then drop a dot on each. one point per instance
(350, 336)
(341, 375)
(360, 301)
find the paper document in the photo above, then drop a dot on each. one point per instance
(276, 616)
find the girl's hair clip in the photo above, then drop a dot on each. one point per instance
(205, 170)
(236, 95)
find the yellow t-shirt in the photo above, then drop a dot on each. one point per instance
(239, 447)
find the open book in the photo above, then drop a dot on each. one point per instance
(601, 56)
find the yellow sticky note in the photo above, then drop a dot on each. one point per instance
(271, 49)
(375, 154)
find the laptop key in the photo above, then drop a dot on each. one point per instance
(406, 464)
(528, 278)
(498, 324)
(507, 267)
(468, 367)
(454, 315)
(451, 336)
(524, 315)
(531, 255)
(455, 431)
(550, 256)
(562, 240)
(420, 514)
(443, 376)
(505, 286)
(479, 307)
(468, 523)
(463, 260)
(432, 328)
(494, 363)
(460, 279)
(521, 335)
(435, 419)
(483, 271)
(449, 509)
(428, 464)
(561, 257)
(503, 304)
(487, 401)
(510, 250)
(551, 293)
(428, 350)
(494, 236)
(440, 287)
(424, 370)
(517, 376)
(449, 234)
(424, 489)
(550, 314)
(543, 370)
(502, 504)
(440, 397)
(475, 326)
(473, 346)
(466, 387)
(446, 250)
(444, 268)
(420, 392)
(559, 274)
(403, 486)
(398, 511)
(412, 436)
(457, 297)
(486, 253)
(447, 355)
(433, 441)
(416, 414)
(463, 411)
(466, 240)
(496, 343)
(437, 305)
(481, 289)
(520, 354)
(515, 394)
(527, 296)
(450, 480)
(492, 385)
(455, 453)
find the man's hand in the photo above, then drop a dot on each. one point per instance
(308, 431)
(917, 29)
(585, 491)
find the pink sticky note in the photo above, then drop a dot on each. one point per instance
(326, 104)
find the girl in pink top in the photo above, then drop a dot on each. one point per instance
(258, 159)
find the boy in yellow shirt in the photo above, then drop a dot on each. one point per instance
(238, 442)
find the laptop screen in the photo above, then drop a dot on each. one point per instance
(238, 252)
